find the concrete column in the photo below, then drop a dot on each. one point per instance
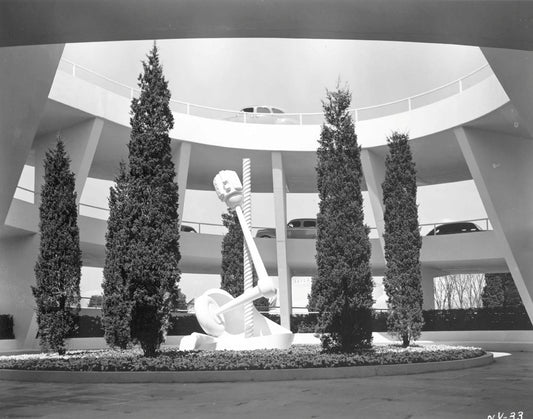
(27, 74)
(17, 261)
(80, 142)
(181, 158)
(514, 70)
(501, 167)
(280, 213)
(428, 286)
(374, 172)
(32, 341)
(247, 258)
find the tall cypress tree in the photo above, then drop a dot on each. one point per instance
(232, 269)
(342, 290)
(402, 279)
(116, 311)
(58, 267)
(153, 234)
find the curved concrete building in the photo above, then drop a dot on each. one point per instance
(476, 128)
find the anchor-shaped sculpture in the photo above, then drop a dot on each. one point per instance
(222, 316)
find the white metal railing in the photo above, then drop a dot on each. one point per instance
(314, 118)
(219, 229)
(202, 227)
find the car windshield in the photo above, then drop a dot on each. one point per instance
(276, 110)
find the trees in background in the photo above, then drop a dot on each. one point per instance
(152, 228)
(232, 268)
(58, 267)
(458, 291)
(500, 291)
(342, 289)
(476, 290)
(116, 310)
(402, 280)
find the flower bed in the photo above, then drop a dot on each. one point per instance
(171, 359)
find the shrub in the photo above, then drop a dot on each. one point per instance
(6, 326)
(402, 278)
(342, 290)
(58, 267)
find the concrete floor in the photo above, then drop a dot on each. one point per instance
(498, 389)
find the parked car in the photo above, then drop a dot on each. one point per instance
(263, 115)
(454, 228)
(299, 228)
(187, 229)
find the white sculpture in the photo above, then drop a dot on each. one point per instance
(222, 316)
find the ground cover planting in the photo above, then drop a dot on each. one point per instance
(171, 359)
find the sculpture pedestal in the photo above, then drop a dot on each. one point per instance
(267, 334)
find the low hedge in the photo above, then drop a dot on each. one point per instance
(88, 327)
(183, 324)
(300, 323)
(501, 318)
(494, 318)
(6, 326)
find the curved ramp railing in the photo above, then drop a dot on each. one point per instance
(102, 213)
(360, 114)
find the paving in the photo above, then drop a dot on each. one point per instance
(497, 390)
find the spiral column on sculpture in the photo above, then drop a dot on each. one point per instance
(248, 269)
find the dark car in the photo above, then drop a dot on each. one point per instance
(454, 228)
(299, 228)
(187, 229)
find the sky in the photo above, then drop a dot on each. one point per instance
(292, 74)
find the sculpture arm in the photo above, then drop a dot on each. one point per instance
(264, 283)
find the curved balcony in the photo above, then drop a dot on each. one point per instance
(78, 94)
(316, 118)
(201, 253)
(456, 103)
(477, 98)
